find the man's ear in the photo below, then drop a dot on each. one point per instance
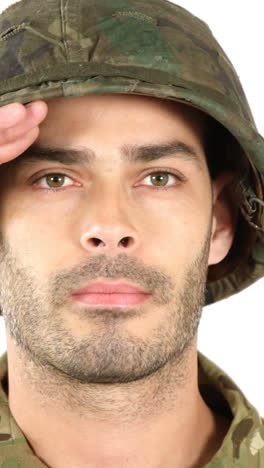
(225, 214)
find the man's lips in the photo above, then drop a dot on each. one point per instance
(110, 288)
(113, 294)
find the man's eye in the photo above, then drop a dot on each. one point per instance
(162, 177)
(51, 181)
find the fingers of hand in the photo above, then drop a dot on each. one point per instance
(19, 128)
(25, 120)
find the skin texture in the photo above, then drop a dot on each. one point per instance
(108, 387)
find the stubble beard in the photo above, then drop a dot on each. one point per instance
(108, 354)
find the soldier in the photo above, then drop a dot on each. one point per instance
(132, 185)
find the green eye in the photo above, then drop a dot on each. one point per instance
(55, 182)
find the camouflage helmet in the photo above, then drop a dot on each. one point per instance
(62, 48)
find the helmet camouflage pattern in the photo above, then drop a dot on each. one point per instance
(61, 48)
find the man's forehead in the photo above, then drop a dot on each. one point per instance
(112, 99)
(96, 107)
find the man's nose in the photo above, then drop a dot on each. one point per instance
(111, 230)
(109, 243)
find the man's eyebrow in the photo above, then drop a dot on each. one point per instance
(129, 154)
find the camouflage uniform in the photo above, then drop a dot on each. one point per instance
(68, 48)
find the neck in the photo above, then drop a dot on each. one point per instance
(151, 422)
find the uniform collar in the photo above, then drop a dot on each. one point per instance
(243, 445)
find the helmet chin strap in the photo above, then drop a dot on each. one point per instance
(250, 205)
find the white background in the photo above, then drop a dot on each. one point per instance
(231, 331)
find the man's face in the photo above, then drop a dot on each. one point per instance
(50, 232)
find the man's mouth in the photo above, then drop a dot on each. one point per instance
(111, 294)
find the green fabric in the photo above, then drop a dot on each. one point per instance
(242, 447)
(70, 48)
